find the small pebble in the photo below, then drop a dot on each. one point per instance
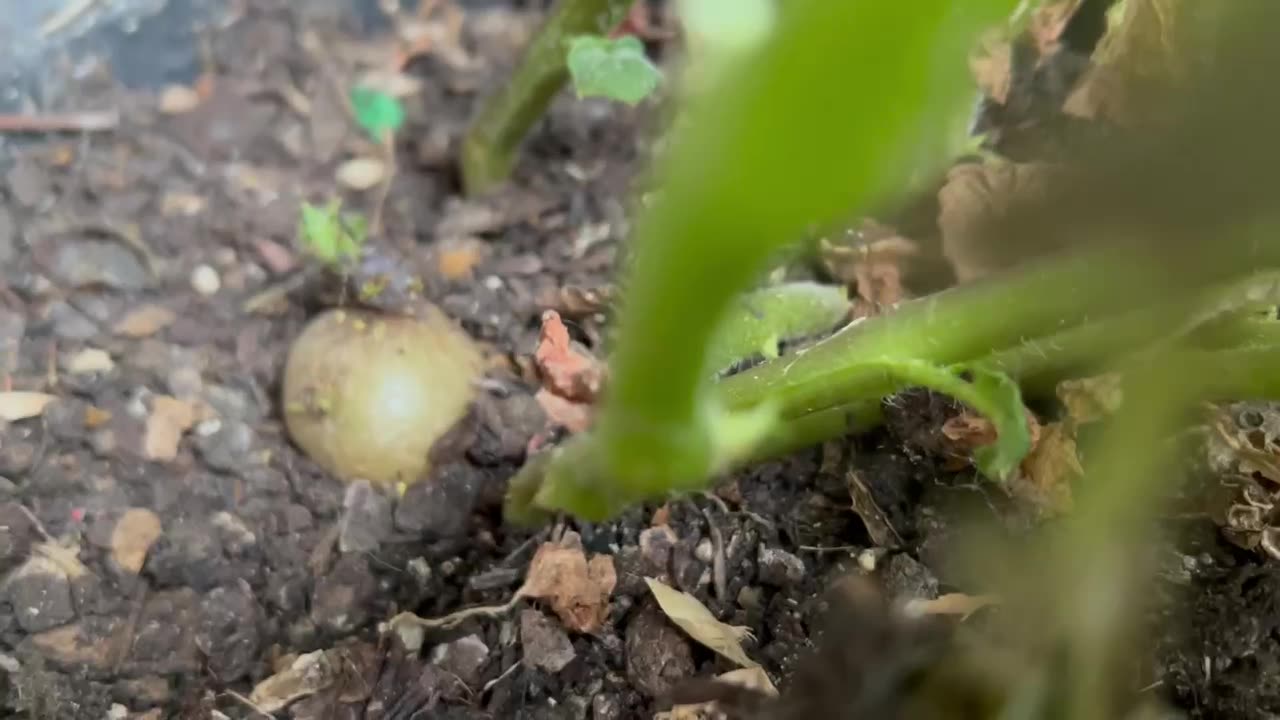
(779, 567)
(545, 643)
(205, 280)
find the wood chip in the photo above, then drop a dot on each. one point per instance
(18, 405)
(144, 321)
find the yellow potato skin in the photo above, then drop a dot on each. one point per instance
(367, 394)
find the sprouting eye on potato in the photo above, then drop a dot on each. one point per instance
(367, 394)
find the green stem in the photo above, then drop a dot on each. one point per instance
(490, 147)
(965, 323)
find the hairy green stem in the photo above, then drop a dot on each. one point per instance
(965, 323)
(492, 142)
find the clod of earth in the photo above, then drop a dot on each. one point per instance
(366, 395)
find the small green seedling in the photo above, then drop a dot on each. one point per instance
(330, 235)
(613, 68)
(378, 113)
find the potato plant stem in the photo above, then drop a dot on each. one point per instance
(490, 146)
(966, 323)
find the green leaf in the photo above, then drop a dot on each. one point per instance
(330, 235)
(762, 318)
(376, 111)
(616, 68)
(993, 394)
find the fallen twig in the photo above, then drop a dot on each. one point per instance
(82, 121)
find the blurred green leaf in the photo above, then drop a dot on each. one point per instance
(377, 112)
(613, 68)
(330, 235)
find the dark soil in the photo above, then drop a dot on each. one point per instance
(192, 215)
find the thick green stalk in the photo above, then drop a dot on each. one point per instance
(960, 325)
(490, 147)
(729, 202)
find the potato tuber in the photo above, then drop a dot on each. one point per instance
(367, 394)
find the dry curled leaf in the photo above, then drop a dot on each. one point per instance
(969, 430)
(1092, 398)
(17, 405)
(1049, 470)
(566, 371)
(307, 675)
(577, 590)
(697, 621)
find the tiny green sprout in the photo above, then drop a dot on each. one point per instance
(378, 113)
(613, 68)
(330, 235)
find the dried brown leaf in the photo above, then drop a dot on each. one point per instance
(144, 321)
(457, 257)
(169, 419)
(1090, 399)
(697, 621)
(566, 370)
(134, 534)
(18, 405)
(309, 674)
(577, 590)
(1049, 470)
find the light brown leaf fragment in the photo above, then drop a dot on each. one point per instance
(134, 534)
(144, 321)
(968, 431)
(1092, 398)
(752, 678)
(1049, 470)
(457, 258)
(577, 590)
(573, 416)
(309, 674)
(18, 405)
(697, 621)
(951, 604)
(566, 371)
(169, 419)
